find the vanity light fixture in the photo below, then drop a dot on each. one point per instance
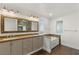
(7, 13)
(11, 13)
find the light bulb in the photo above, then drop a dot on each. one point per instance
(50, 14)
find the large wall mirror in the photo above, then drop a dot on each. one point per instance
(24, 25)
(34, 26)
(9, 25)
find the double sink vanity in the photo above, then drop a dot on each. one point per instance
(26, 44)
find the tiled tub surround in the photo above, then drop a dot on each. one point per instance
(23, 44)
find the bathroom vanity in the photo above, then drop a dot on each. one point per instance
(15, 40)
(27, 44)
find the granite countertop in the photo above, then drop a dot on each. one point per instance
(18, 37)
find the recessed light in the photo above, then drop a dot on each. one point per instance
(50, 14)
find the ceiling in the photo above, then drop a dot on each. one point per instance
(43, 9)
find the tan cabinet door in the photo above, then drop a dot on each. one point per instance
(5, 48)
(37, 43)
(40, 41)
(16, 47)
(27, 46)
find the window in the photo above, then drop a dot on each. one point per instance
(59, 27)
(42, 25)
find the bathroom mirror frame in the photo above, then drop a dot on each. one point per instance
(2, 25)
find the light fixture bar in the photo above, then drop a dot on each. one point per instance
(5, 12)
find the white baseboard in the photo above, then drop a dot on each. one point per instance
(35, 51)
(69, 45)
